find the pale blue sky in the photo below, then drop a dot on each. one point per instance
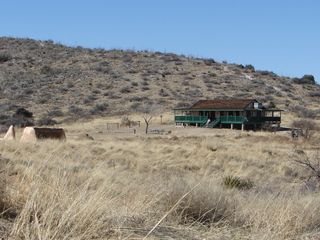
(277, 35)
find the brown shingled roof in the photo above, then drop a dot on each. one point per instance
(222, 104)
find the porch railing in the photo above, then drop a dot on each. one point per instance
(190, 119)
(233, 119)
(225, 119)
(264, 119)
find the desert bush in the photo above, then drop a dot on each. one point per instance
(145, 83)
(182, 105)
(89, 99)
(307, 126)
(4, 57)
(271, 104)
(75, 110)
(96, 91)
(126, 121)
(4, 118)
(193, 93)
(314, 94)
(23, 113)
(99, 108)
(135, 106)
(20, 121)
(306, 79)
(145, 88)
(236, 182)
(211, 74)
(43, 100)
(304, 112)
(21, 118)
(170, 57)
(125, 89)
(46, 121)
(137, 99)
(132, 71)
(162, 93)
(55, 113)
(249, 67)
(209, 61)
(46, 70)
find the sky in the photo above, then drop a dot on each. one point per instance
(282, 36)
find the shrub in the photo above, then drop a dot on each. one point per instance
(162, 93)
(304, 112)
(125, 89)
(209, 61)
(307, 127)
(145, 88)
(24, 113)
(99, 108)
(89, 99)
(55, 113)
(4, 57)
(271, 105)
(126, 121)
(212, 74)
(75, 110)
(314, 94)
(249, 67)
(46, 121)
(306, 79)
(46, 70)
(236, 182)
(145, 83)
(20, 122)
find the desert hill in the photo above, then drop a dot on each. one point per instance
(53, 80)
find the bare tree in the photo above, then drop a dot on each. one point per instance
(312, 163)
(149, 110)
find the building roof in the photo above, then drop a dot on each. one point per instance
(222, 104)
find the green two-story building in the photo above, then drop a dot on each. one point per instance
(243, 114)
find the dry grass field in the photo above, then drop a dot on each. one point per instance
(193, 183)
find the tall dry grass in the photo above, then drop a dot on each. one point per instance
(120, 188)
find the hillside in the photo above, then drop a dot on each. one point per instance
(72, 82)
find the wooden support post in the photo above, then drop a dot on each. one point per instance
(231, 125)
(242, 127)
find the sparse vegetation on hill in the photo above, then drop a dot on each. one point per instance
(76, 82)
